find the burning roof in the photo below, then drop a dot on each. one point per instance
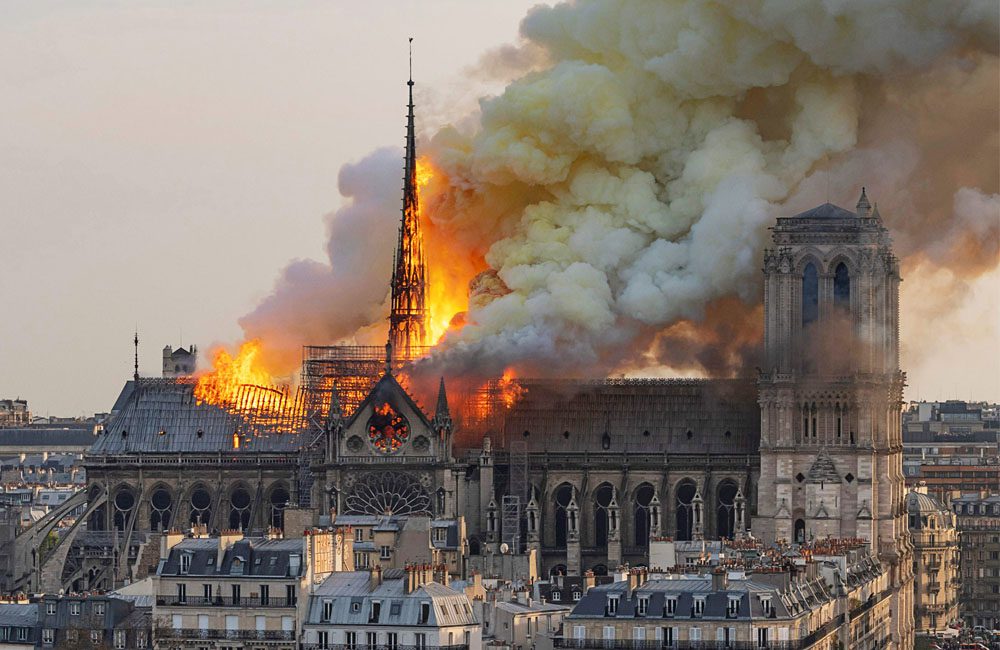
(163, 415)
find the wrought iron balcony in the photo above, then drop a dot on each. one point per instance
(223, 601)
(358, 646)
(626, 644)
(258, 635)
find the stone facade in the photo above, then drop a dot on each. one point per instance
(935, 561)
(979, 533)
(831, 391)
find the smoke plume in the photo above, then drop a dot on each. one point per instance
(610, 207)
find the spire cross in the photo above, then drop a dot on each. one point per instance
(135, 374)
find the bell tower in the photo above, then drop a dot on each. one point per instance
(831, 390)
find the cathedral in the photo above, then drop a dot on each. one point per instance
(583, 473)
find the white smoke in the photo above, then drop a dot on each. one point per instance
(621, 189)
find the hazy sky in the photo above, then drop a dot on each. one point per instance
(161, 162)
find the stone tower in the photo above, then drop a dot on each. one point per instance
(408, 315)
(831, 391)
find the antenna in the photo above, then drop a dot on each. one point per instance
(135, 375)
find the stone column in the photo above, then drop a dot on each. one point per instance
(573, 538)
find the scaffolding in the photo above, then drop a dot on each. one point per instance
(510, 522)
(352, 369)
(517, 479)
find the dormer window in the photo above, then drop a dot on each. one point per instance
(376, 610)
(699, 605)
(556, 595)
(612, 605)
(576, 596)
(733, 610)
(237, 566)
(185, 562)
(671, 606)
(328, 610)
(425, 613)
(642, 606)
(765, 603)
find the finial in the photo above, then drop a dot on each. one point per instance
(410, 82)
(135, 374)
(864, 207)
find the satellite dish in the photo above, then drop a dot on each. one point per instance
(504, 548)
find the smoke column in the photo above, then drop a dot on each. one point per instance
(610, 207)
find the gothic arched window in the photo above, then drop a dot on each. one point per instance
(602, 499)
(726, 510)
(810, 294)
(800, 531)
(685, 511)
(643, 497)
(564, 494)
(842, 286)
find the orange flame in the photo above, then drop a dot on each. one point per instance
(222, 384)
(510, 390)
(451, 266)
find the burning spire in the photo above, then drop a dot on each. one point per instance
(408, 317)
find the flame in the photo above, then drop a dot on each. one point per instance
(510, 390)
(450, 265)
(222, 384)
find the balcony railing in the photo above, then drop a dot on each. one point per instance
(223, 601)
(625, 644)
(258, 635)
(358, 646)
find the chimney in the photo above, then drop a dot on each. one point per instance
(226, 539)
(588, 581)
(168, 540)
(376, 576)
(409, 568)
(720, 580)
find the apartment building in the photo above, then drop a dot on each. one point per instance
(223, 592)
(935, 563)
(823, 596)
(979, 542)
(395, 609)
(392, 542)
